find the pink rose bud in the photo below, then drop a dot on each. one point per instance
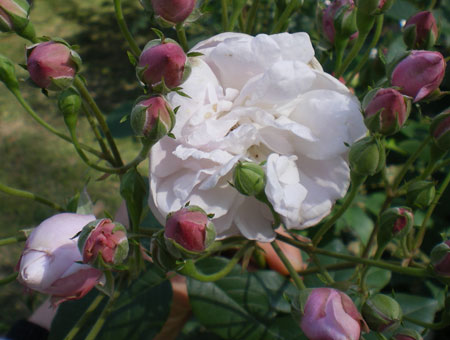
(421, 31)
(407, 334)
(188, 231)
(440, 257)
(385, 110)
(52, 65)
(50, 261)
(338, 19)
(394, 223)
(440, 130)
(331, 314)
(163, 60)
(103, 239)
(173, 11)
(13, 13)
(419, 74)
(152, 118)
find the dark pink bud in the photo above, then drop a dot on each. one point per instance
(440, 130)
(421, 30)
(52, 65)
(160, 61)
(190, 228)
(419, 74)
(331, 314)
(336, 17)
(386, 111)
(407, 334)
(105, 239)
(174, 11)
(440, 257)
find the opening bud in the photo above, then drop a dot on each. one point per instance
(440, 130)
(385, 110)
(420, 31)
(440, 257)
(173, 11)
(52, 64)
(382, 313)
(395, 222)
(407, 334)
(188, 232)
(249, 179)
(152, 118)
(367, 156)
(103, 242)
(163, 61)
(419, 74)
(420, 194)
(339, 20)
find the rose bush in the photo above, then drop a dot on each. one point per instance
(261, 99)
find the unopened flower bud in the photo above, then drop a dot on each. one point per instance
(52, 65)
(419, 74)
(330, 314)
(152, 118)
(14, 18)
(407, 334)
(103, 242)
(420, 31)
(339, 21)
(395, 222)
(69, 103)
(249, 179)
(50, 263)
(440, 257)
(367, 156)
(8, 74)
(385, 110)
(382, 313)
(440, 130)
(173, 11)
(420, 194)
(163, 61)
(188, 232)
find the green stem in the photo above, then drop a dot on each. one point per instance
(50, 128)
(25, 194)
(297, 280)
(96, 328)
(79, 84)
(378, 29)
(10, 278)
(285, 15)
(380, 264)
(322, 269)
(251, 17)
(124, 29)
(12, 240)
(224, 15)
(331, 267)
(85, 317)
(181, 34)
(356, 183)
(440, 325)
(341, 44)
(190, 269)
(423, 227)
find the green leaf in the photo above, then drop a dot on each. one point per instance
(418, 308)
(245, 305)
(139, 312)
(377, 279)
(401, 9)
(358, 222)
(134, 190)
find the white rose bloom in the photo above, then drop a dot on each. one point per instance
(263, 98)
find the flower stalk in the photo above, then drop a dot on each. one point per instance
(124, 28)
(294, 275)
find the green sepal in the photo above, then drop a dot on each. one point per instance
(382, 313)
(410, 36)
(69, 103)
(420, 194)
(8, 74)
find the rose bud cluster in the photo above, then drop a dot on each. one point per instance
(419, 74)
(421, 31)
(338, 20)
(385, 111)
(382, 313)
(440, 257)
(440, 130)
(249, 179)
(394, 222)
(52, 64)
(407, 334)
(367, 156)
(327, 313)
(14, 18)
(173, 11)
(103, 242)
(163, 61)
(152, 118)
(50, 262)
(188, 232)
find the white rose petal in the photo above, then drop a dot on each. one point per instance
(260, 99)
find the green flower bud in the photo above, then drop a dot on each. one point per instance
(407, 334)
(440, 130)
(367, 156)
(249, 179)
(395, 222)
(382, 313)
(440, 258)
(420, 194)
(8, 74)
(69, 103)
(14, 18)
